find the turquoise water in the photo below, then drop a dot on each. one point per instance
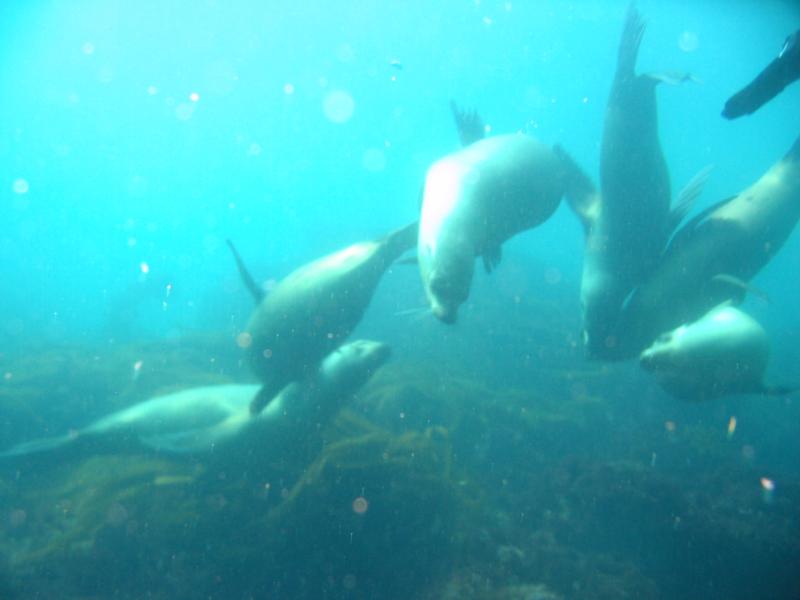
(138, 136)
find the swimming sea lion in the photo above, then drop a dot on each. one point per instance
(215, 419)
(477, 198)
(712, 254)
(724, 352)
(627, 230)
(313, 310)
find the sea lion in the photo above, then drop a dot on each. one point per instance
(628, 226)
(216, 419)
(477, 198)
(724, 352)
(313, 310)
(768, 83)
(713, 254)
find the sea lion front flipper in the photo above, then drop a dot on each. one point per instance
(687, 197)
(183, 442)
(249, 282)
(492, 257)
(740, 284)
(671, 77)
(469, 123)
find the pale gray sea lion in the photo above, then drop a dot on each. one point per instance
(628, 226)
(712, 256)
(313, 310)
(216, 419)
(723, 353)
(477, 198)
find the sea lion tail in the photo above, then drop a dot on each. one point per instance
(249, 282)
(581, 194)
(401, 240)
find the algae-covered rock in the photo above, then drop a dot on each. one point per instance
(374, 513)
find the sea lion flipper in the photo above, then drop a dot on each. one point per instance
(249, 282)
(581, 194)
(40, 445)
(264, 396)
(671, 77)
(469, 123)
(687, 231)
(687, 197)
(401, 240)
(742, 287)
(630, 41)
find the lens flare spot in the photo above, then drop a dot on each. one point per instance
(244, 340)
(338, 106)
(688, 41)
(184, 111)
(20, 186)
(144, 268)
(360, 505)
(374, 160)
(731, 427)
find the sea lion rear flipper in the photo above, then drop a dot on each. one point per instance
(40, 445)
(401, 240)
(629, 42)
(469, 123)
(248, 280)
(581, 194)
(687, 231)
(264, 397)
(687, 197)
(492, 257)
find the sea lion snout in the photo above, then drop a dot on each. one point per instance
(444, 314)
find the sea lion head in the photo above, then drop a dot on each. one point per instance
(354, 363)
(601, 305)
(448, 284)
(664, 353)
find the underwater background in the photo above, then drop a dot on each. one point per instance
(495, 460)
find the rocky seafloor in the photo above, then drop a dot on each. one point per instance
(585, 482)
